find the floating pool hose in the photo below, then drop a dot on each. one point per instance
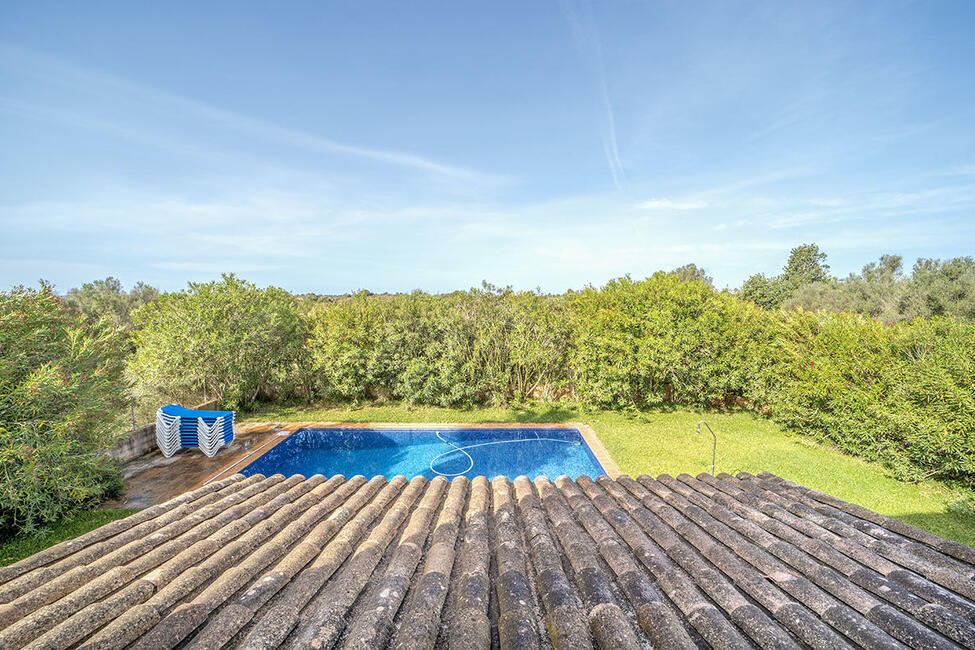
(470, 458)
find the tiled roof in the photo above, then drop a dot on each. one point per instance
(729, 562)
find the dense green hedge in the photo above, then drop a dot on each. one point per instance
(486, 344)
(61, 389)
(663, 339)
(901, 394)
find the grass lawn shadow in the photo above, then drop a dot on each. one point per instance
(951, 523)
(17, 548)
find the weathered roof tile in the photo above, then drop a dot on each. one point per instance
(672, 562)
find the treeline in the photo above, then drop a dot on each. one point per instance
(891, 380)
(882, 290)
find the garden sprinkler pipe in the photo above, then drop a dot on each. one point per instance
(714, 448)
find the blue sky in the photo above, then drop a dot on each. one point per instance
(328, 147)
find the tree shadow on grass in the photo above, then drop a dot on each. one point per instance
(559, 412)
(551, 413)
(527, 412)
(646, 413)
(958, 525)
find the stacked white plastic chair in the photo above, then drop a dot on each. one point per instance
(210, 437)
(167, 433)
(178, 427)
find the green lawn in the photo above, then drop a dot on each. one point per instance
(79, 523)
(664, 441)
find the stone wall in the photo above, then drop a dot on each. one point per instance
(142, 440)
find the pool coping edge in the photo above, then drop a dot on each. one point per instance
(598, 449)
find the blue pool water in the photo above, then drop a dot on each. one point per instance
(410, 452)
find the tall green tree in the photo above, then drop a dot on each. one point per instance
(108, 299)
(693, 273)
(806, 265)
(61, 392)
(231, 336)
(947, 286)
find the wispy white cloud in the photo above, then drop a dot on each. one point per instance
(586, 36)
(214, 267)
(789, 118)
(670, 204)
(111, 128)
(758, 178)
(963, 170)
(124, 90)
(829, 202)
(934, 201)
(303, 241)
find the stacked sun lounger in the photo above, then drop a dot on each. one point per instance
(178, 427)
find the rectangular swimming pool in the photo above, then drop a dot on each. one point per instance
(431, 452)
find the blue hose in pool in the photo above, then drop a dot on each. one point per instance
(470, 459)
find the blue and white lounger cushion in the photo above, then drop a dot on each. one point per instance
(178, 427)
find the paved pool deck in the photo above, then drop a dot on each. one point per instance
(154, 479)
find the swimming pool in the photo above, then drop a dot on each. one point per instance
(431, 452)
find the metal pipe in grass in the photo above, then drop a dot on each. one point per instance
(714, 448)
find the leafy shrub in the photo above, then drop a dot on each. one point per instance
(643, 342)
(483, 344)
(345, 346)
(61, 387)
(238, 339)
(901, 394)
(510, 345)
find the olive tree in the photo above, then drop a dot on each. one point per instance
(108, 299)
(232, 337)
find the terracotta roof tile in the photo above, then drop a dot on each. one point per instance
(672, 562)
